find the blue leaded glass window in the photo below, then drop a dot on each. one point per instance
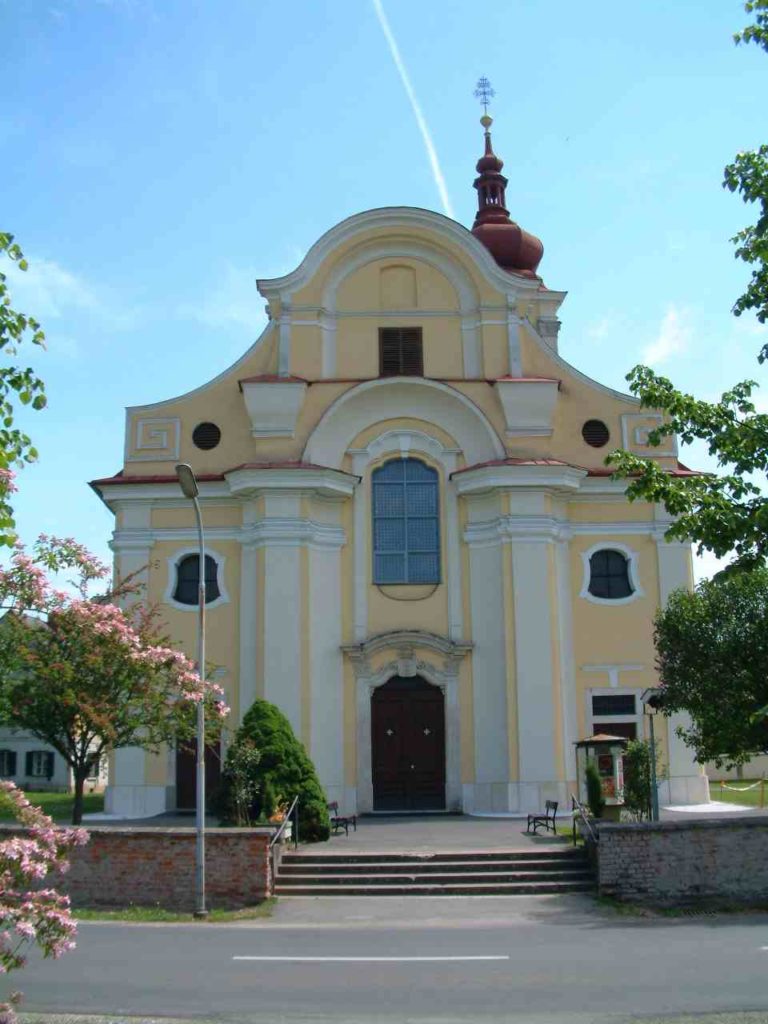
(406, 532)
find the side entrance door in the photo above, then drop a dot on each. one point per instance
(408, 746)
(186, 780)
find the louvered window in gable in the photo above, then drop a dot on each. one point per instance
(400, 352)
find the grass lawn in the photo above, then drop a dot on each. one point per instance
(58, 805)
(152, 914)
(748, 798)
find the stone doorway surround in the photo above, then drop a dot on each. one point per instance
(414, 653)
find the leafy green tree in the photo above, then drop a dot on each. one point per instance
(283, 771)
(724, 512)
(712, 658)
(16, 383)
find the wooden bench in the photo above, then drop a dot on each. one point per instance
(341, 821)
(545, 820)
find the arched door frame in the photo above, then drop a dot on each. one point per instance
(407, 665)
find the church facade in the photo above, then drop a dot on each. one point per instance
(413, 546)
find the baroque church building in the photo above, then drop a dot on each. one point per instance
(413, 546)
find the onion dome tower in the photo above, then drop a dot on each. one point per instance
(513, 248)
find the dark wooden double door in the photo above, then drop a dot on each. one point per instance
(408, 746)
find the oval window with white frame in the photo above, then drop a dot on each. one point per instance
(610, 574)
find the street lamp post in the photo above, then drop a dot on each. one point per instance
(651, 699)
(190, 489)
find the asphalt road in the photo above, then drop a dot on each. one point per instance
(477, 961)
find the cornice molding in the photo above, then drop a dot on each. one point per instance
(270, 532)
(506, 529)
(546, 478)
(403, 217)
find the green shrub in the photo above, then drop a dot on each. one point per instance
(637, 779)
(595, 797)
(240, 778)
(282, 772)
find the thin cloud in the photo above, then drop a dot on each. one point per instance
(234, 301)
(672, 339)
(48, 291)
(437, 173)
(600, 330)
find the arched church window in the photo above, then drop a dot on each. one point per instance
(188, 580)
(609, 575)
(406, 531)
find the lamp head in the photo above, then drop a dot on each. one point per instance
(653, 699)
(187, 480)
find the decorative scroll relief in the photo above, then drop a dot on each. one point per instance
(154, 440)
(635, 428)
(407, 663)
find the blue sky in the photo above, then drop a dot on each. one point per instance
(159, 155)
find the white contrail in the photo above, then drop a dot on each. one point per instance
(429, 144)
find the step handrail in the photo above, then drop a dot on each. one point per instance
(580, 811)
(284, 824)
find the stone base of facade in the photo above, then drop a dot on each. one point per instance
(514, 797)
(684, 789)
(136, 801)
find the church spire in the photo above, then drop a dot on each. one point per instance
(491, 183)
(513, 248)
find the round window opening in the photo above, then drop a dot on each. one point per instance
(595, 433)
(206, 436)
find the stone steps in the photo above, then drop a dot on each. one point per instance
(482, 873)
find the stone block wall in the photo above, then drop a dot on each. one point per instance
(716, 861)
(153, 866)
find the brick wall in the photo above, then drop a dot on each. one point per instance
(722, 860)
(152, 866)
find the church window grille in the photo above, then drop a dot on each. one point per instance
(188, 580)
(400, 352)
(406, 529)
(609, 575)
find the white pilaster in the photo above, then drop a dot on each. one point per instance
(470, 344)
(326, 670)
(249, 614)
(513, 344)
(567, 673)
(535, 667)
(284, 342)
(360, 560)
(128, 795)
(328, 328)
(282, 609)
(489, 677)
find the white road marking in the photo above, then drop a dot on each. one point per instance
(366, 959)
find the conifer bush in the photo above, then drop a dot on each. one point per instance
(282, 771)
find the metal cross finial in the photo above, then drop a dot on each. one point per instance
(484, 92)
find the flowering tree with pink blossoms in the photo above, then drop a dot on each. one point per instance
(30, 914)
(87, 676)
